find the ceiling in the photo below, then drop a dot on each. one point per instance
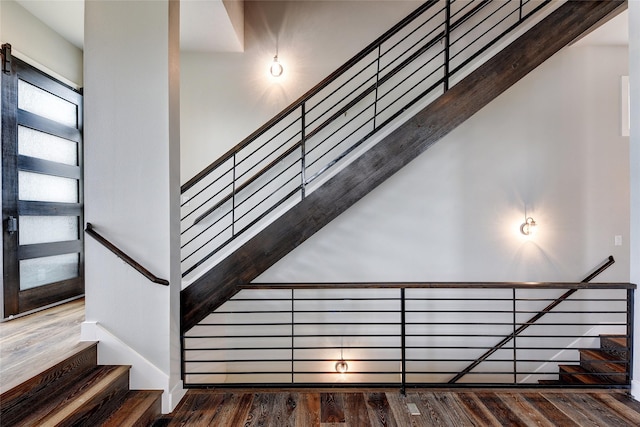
(205, 25)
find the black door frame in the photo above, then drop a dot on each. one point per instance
(15, 300)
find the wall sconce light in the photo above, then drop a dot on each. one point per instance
(342, 366)
(276, 68)
(528, 227)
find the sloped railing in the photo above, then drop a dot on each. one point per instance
(274, 168)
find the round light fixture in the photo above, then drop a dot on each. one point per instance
(276, 68)
(528, 227)
(342, 366)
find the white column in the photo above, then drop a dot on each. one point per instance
(132, 157)
(634, 155)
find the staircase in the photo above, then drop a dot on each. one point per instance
(78, 392)
(606, 365)
(461, 96)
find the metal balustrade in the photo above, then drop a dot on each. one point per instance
(406, 334)
(293, 154)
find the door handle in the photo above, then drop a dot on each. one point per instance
(12, 224)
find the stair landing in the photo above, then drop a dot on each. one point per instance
(38, 341)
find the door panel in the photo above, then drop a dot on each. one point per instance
(42, 201)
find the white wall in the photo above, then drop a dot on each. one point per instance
(132, 186)
(551, 144)
(32, 41)
(227, 96)
(634, 82)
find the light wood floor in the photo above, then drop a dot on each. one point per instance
(30, 344)
(469, 407)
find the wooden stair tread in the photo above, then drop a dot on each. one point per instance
(49, 363)
(576, 374)
(48, 385)
(140, 407)
(615, 343)
(602, 360)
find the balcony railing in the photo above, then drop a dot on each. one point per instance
(408, 334)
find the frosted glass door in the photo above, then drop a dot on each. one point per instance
(42, 179)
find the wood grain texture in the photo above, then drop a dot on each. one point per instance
(39, 341)
(389, 156)
(438, 407)
(64, 385)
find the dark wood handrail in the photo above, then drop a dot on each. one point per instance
(123, 256)
(534, 319)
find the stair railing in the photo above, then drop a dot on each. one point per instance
(531, 321)
(290, 156)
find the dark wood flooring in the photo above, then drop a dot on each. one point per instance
(435, 407)
(38, 340)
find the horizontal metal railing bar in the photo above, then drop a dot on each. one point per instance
(265, 143)
(345, 107)
(222, 174)
(518, 299)
(433, 41)
(416, 360)
(330, 136)
(211, 239)
(454, 41)
(316, 89)
(515, 311)
(272, 208)
(213, 224)
(382, 386)
(252, 223)
(462, 65)
(439, 285)
(377, 84)
(216, 194)
(409, 347)
(493, 335)
(289, 348)
(287, 335)
(262, 187)
(245, 184)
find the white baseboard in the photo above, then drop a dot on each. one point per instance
(635, 389)
(144, 375)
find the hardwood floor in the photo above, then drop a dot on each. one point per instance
(33, 343)
(446, 407)
(39, 340)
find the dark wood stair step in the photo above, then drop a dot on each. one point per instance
(611, 367)
(596, 360)
(615, 344)
(576, 374)
(140, 408)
